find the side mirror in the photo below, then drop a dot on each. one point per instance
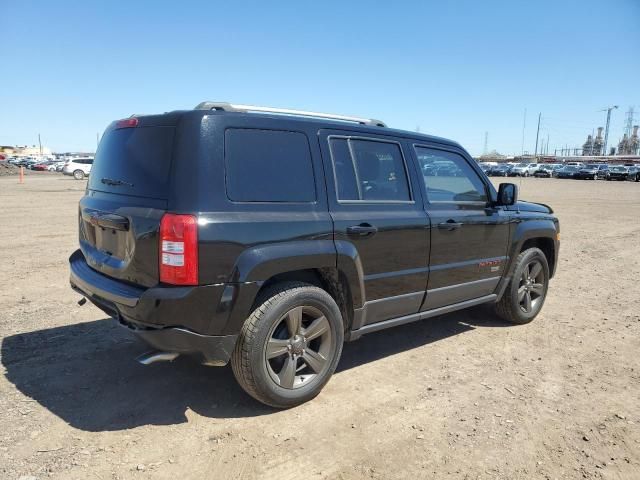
(507, 194)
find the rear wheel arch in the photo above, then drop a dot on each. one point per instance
(331, 280)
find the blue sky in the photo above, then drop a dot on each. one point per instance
(454, 69)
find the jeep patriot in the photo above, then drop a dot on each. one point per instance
(267, 237)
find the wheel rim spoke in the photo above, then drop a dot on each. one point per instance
(537, 288)
(276, 347)
(315, 360)
(521, 291)
(527, 301)
(536, 268)
(318, 327)
(287, 375)
(294, 321)
(302, 333)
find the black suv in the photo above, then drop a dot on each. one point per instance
(268, 237)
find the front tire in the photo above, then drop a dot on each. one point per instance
(78, 174)
(527, 290)
(290, 345)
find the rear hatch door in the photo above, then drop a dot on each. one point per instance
(126, 196)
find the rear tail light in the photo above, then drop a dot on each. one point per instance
(179, 249)
(127, 123)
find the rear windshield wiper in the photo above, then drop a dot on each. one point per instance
(115, 183)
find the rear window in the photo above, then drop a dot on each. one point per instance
(134, 161)
(268, 166)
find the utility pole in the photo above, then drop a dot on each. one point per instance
(40, 145)
(486, 142)
(546, 148)
(98, 137)
(535, 155)
(524, 124)
(606, 128)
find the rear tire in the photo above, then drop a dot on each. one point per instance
(78, 174)
(289, 346)
(527, 289)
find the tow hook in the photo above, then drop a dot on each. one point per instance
(156, 356)
(82, 301)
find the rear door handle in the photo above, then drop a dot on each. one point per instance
(362, 230)
(449, 225)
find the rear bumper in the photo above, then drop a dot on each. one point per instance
(186, 320)
(212, 350)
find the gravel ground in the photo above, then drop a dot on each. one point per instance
(459, 396)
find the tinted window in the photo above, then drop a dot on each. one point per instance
(268, 166)
(449, 178)
(369, 170)
(139, 156)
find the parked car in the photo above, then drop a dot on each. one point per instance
(523, 169)
(78, 167)
(634, 174)
(486, 166)
(603, 169)
(500, 170)
(264, 260)
(617, 172)
(591, 172)
(31, 162)
(41, 167)
(53, 165)
(543, 171)
(567, 171)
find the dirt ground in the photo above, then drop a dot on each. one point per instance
(460, 396)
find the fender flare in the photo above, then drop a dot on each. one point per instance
(258, 264)
(526, 230)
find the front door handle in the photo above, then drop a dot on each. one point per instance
(362, 230)
(449, 225)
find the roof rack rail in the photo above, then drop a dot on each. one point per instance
(231, 107)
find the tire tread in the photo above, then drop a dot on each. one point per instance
(240, 358)
(504, 308)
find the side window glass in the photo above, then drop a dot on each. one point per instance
(449, 178)
(268, 166)
(345, 176)
(368, 170)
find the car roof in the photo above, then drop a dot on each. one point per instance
(290, 121)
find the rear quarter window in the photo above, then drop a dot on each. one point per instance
(268, 166)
